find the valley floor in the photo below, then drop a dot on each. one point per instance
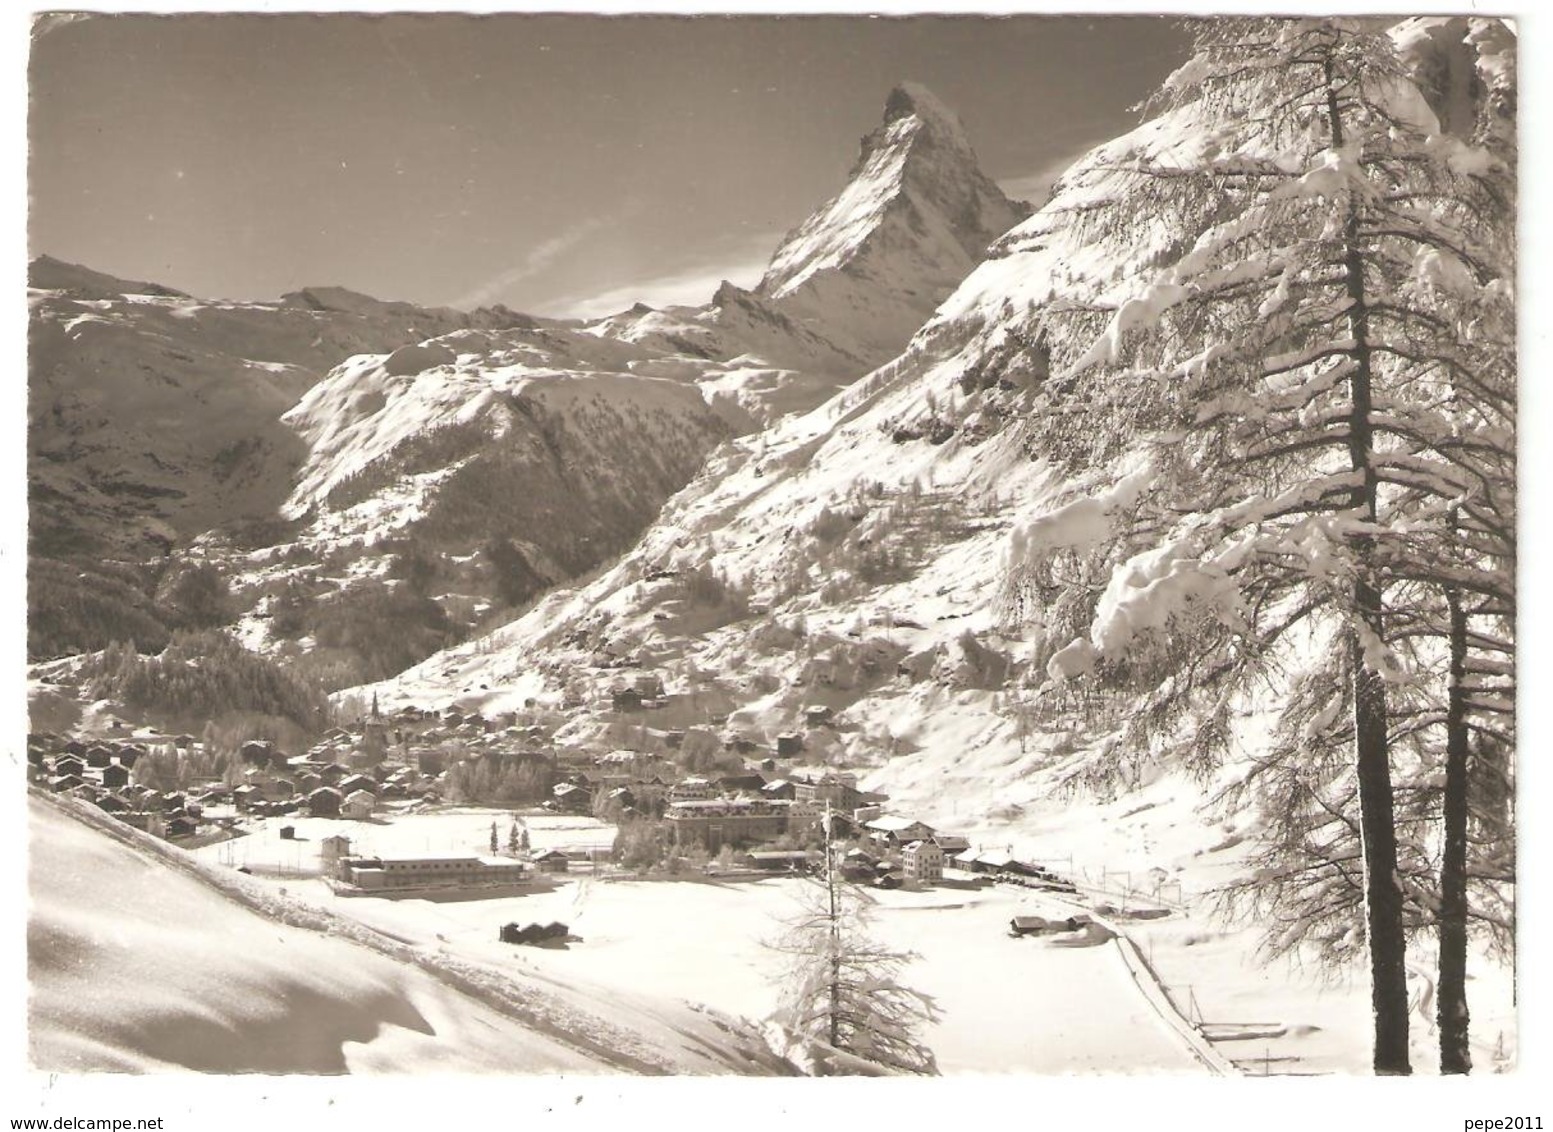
(1008, 1005)
(134, 967)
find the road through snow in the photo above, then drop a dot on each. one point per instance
(1024, 1004)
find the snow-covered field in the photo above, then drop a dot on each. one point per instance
(1157, 847)
(1007, 1004)
(449, 831)
(226, 990)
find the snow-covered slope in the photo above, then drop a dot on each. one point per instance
(861, 548)
(880, 520)
(857, 557)
(585, 429)
(752, 361)
(161, 423)
(568, 405)
(156, 418)
(497, 462)
(141, 958)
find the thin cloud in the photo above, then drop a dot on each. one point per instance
(1079, 137)
(539, 259)
(691, 285)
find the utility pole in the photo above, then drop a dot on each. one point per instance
(835, 934)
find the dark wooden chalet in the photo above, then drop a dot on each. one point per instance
(68, 765)
(324, 802)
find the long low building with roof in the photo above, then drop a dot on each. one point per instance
(372, 875)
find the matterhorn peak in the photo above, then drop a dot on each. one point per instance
(915, 217)
(913, 100)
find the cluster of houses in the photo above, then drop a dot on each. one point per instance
(268, 783)
(758, 803)
(575, 780)
(421, 738)
(751, 808)
(275, 784)
(399, 759)
(890, 851)
(102, 772)
(643, 692)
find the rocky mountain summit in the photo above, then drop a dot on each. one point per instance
(915, 217)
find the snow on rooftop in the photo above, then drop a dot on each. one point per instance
(891, 824)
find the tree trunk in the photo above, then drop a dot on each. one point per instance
(1455, 1055)
(1372, 760)
(1382, 893)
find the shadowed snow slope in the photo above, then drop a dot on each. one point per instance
(136, 966)
(138, 961)
(153, 415)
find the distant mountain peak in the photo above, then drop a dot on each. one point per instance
(50, 274)
(915, 216)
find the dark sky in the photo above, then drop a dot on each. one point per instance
(547, 162)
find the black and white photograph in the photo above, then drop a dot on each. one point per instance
(564, 547)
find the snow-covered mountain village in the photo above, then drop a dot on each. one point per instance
(1073, 635)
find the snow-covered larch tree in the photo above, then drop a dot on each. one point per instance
(1449, 562)
(1306, 373)
(845, 1010)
